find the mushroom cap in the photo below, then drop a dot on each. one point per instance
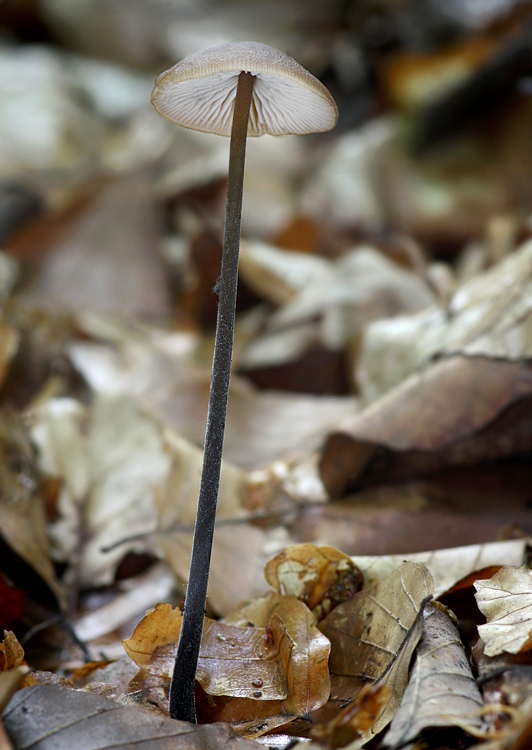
(199, 92)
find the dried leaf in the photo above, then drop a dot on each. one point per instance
(47, 717)
(128, 463)
(283, 660)
(312, 574)
(108, 264)
(446, 566)
(435, 409)
(134, 596)
(12, 657)
(278, 275)
(352, 725)
(374, 634)
(10, 681)
(230, 582)
(22, 517)
(308, 679)
(347, 293)
(9, 343)
(488, 316)
(441, 691)
(230, 659)
(506, 601)
(160, 625)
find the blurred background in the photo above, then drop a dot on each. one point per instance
(106, 206)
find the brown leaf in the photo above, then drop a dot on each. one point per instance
(108, 262)
(231, 659)
(9, 343)
(10, 681)
(442, 691)
(160, 625)
(313, 574)
(429, 411)
(22, 519)
(374, 634)
(47, 717)
(12, 657)
(230, 582)
(307, 674)
(355, 720)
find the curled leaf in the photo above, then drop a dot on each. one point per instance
(314, 575)
(442, 691)
(374, 635)
(506, 600)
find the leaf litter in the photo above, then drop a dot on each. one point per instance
(382, 350)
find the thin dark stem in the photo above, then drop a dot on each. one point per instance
(182, 705)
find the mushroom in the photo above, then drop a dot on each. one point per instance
(237, 89)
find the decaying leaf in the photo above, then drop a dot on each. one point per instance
(346, 293)
(47, 717)
(108, 263)
(354, 722)
(22, 516)
(160, 625)
(12, 658)
(441, 690)
(10, 681)
(314, 575)
(283, 660)
(438, 408)
(446, 566)
(374, 634)
(230, 582)
(488, 316)
(307, 674)
(506, 600)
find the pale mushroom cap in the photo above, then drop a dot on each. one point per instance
(199, 92)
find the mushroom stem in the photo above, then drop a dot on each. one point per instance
(182, 704)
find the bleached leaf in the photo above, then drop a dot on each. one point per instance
(447, 566)
(506, 601)
(489, 316)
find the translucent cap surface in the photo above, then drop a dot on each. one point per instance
(199, 92)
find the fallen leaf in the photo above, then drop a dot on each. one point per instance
(285, 659)
(374, 634)
(314, 574)
(506, 601)
(160, 625)
(128, 462)
(23, 524)
(133, 597)
(230, 582)
(436, 409)
(12, 657)
(475, 506)
(9, 343)
(352, 725)
(488, 316)
(53, 718)
(278, 275)
(446, 566)
(108, 263)
(344, 294)
(441, 691)
(10, 681)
